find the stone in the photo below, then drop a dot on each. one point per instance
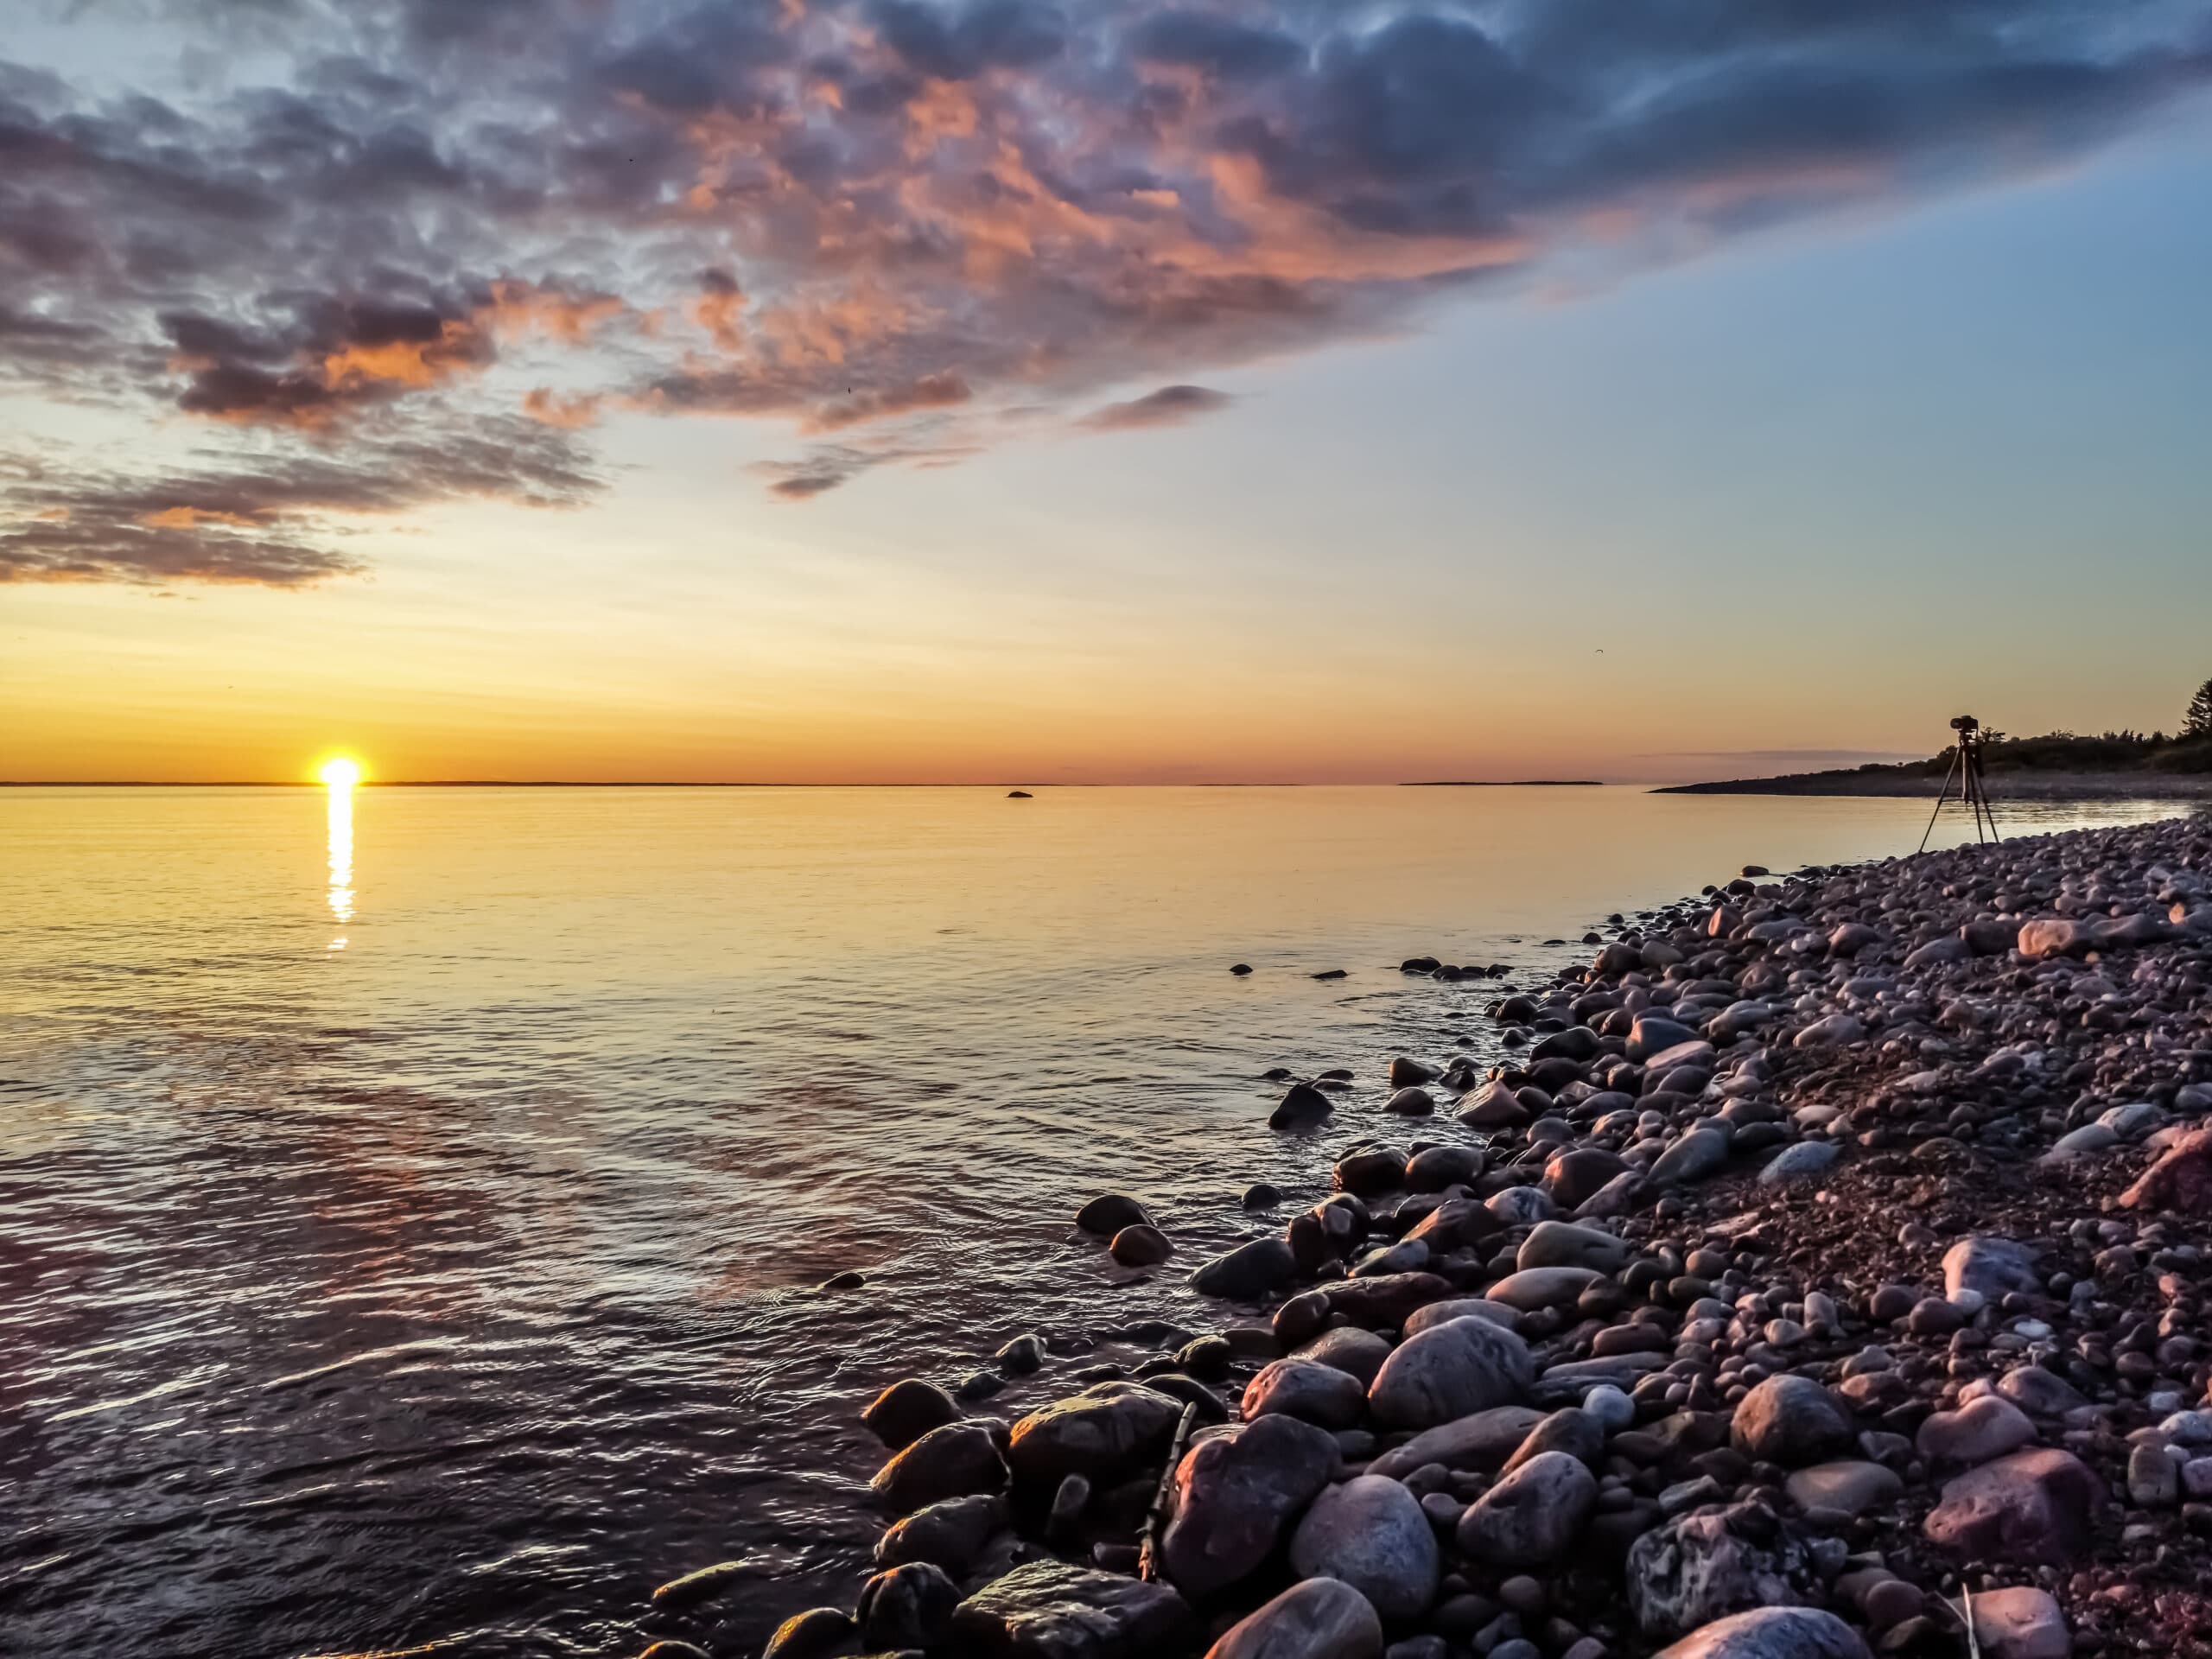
(956, 1460)
(1386, 1300)
(1246, 1273)
(2055, 937)
(1652, 1034)
(1482, 1440)
(951, 1534)
(1531, 1516)
(2019, 1622)
(1235, 1493)
(1451, 1370)
(1771, 1633)
(1696, 1568)
(1692, 1158)
(1359, 1354)
(1140, 1246)
(1578, 1433)
(2034, 1508)
(698, 1586)
(1320, 1619)
(907, 1410)
(1791, 1420)
(1975, 1433)
(1405, 1073)
(1309, 1389)
(1410, 1102)
(814, 1634)
(1437, 1167)
(1099, 1432)
(2180, 1179)
(1461, 1307)
(1048, 1609)
(1107, 1214)
(1848, 1487)
(1806, 1160)
(1574, 1177)
(1563, 1244)
(1370, 1534)
(1535, 1288)
(909, 1606)
(1993, 1266)
(2039, 1392)
(1301, 1107)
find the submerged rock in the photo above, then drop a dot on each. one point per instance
(958, 1460)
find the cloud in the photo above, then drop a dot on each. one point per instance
(347, 233)
(1169, 406)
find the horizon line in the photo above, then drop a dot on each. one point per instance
(590, 783)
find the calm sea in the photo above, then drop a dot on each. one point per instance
(408, 1215)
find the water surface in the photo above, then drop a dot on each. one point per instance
(408, 1215)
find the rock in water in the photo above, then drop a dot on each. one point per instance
(907, 1410)
(1531, 1516)
(959, 1460)
(813, 1634)
(1107, 1215)
(951, 1534)
(909, 1606)
(1301, 1106)
(1049, 1610)
(1772, 1633)
(1248, 1272)
(1451, 1370)
(1320, 1619)
(1791, 1420)
(1235, 1493)
(1370, 1534)
(1100, 1431)
(1140, 1246)
(695, 1587)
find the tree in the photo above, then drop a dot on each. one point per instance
(2198, 722)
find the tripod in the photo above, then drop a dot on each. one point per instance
(1974, 792)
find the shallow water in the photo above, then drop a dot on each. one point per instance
(407, 1223)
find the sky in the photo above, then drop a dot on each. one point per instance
(889, 391)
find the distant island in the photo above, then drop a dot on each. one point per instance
(2058, 766)
(1503, 783)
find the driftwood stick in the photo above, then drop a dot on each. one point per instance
(1156, 1517)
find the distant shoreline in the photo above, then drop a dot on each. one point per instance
(1505, 783)
(2003, 785)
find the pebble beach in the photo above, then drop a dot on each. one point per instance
(1820, 1275)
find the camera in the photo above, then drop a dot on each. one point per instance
(1966, 723)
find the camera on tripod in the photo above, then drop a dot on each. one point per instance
(1966, 772)
(1966, 723)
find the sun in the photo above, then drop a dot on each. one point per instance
(342, 772)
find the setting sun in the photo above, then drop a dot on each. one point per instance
(340, 774)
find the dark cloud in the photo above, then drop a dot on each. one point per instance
(1169, 406)
(431, 237)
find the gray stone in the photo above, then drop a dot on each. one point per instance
(1461, 1307)
(1695, 1156)
(1806, 1160)
(1357, 1353)
(1450, 1371)
(1532, 1515)
(1694, 1569)
(908, 1606)
(1534, 1287)
(1563, 1244)
(1975, 1433)
(951, 1534)
(1849, 1487)
(1992, 1266)
(1049, 1610)
(2035, 1507)
(1771, 1633)
(1320, 1619)
(1482, 1440)
(1306, 1389)
(1370, 1534)
(1235, 1493)
(2019, 1622)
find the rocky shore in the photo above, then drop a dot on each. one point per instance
(1820, 1276)
(2004, 786)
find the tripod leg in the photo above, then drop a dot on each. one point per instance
(1943, 796)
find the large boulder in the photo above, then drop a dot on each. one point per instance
(2180, 1180)
(1306, 1388)
(1301, 1107)
(1370, 1534)
(1532, 1517)
(1049, 1610)
(1235, 1492)
(1791, 1420)
(1708, 1564)
(2033, 1508)
(1248, 1272)
(1771, 1633)
(956, 1460)
(1482, 1441)
(1320, 1619)
(1107, 1214)
(1101, 1432)
(1451, 1370)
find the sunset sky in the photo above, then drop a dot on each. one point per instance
(880, 391)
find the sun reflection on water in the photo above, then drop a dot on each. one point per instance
(341, 854)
